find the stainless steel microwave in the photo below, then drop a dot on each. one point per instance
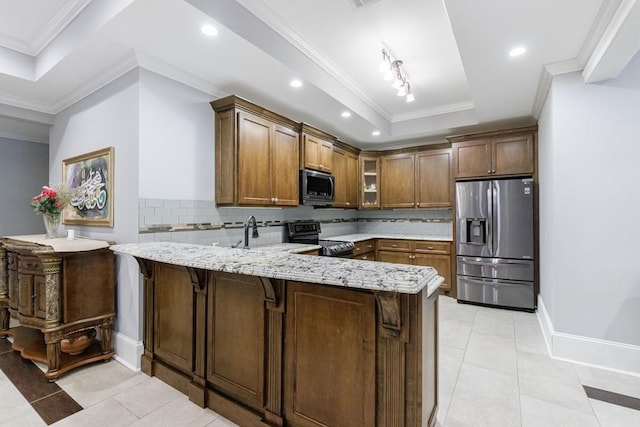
(316, 188)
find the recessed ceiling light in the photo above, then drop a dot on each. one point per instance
(375, 133)
(209, 30)
(296, 83)
(346, 114)
(517, 51)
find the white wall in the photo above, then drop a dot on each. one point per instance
(24, 169)
(176, 140)
(589, 150)
(110, 117)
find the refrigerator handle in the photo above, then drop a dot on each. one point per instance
(489, 222)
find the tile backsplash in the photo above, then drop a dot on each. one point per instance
(201, 222)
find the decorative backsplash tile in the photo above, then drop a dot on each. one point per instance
(200, 222)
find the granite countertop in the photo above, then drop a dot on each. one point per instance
(376, 276)
(292, 248)
(361, 237)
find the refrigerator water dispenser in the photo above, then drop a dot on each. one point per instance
(476, 231)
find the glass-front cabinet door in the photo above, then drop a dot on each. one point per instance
(370, 184)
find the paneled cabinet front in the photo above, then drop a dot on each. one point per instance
(345, 170)
(417, 180)
(494, 155)
(317, 152)
(256, 156)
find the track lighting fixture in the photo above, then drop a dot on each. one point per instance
(391, 68)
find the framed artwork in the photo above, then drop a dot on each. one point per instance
(90, 176)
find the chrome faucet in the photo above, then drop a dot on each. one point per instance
(246, 230)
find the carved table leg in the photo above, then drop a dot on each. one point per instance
(53, 356)
(4, 320)
(4, 291)
(106, 336)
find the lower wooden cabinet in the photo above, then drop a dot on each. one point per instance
(329, 345)
(436, 254)
(365, 250)
(266, 352)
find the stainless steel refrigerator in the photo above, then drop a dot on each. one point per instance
(494, 242)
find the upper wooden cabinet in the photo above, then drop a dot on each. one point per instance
(494, 154)
(370, 183)
(256, 155)
(317, 149)
(397, 184)
(420, 180)
(345, 171)
(434, 179)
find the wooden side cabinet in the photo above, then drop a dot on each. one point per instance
(256, 154)
(61, 292)
(498, 154)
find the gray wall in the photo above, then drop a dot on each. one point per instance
(24, 169)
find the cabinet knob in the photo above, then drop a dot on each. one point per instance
(489, 171)
(348, 203)
(418, 204)
(365, 257)
(275, 200)
(394, 246)
(430, 247)
(493, 171)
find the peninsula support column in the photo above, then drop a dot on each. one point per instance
(393, 334)
(146, 362)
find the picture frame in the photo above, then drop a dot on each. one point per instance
(90, 175)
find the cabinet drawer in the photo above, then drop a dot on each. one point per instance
(30, 265)
(369, 256)
(394, 245)
(364, 247)
(433, 247)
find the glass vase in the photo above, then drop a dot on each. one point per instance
(51, 224)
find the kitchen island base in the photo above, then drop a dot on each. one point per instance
(276, 352)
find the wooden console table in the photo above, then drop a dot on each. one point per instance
(57, 289)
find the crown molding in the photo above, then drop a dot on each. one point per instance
(266, 14)
(66, 13)
(58, 22)
(172, 72)
(617, 45)
(432, 112)
(605, 14)
(22, 137)
(95, 83)
(546, 76)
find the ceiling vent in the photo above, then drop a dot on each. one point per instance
(361, 3)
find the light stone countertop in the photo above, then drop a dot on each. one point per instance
(292, 248)
(61, 244)
(361, 237)
(376, 276)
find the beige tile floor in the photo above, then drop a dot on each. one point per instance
(494, 371)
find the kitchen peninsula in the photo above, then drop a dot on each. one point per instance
(273, 338)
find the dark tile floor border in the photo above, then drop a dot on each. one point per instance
(611, 397)
(47, 398)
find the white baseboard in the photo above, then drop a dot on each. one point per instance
(611, 355)
(128, 351)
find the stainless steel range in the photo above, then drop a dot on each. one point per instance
(308, 232)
